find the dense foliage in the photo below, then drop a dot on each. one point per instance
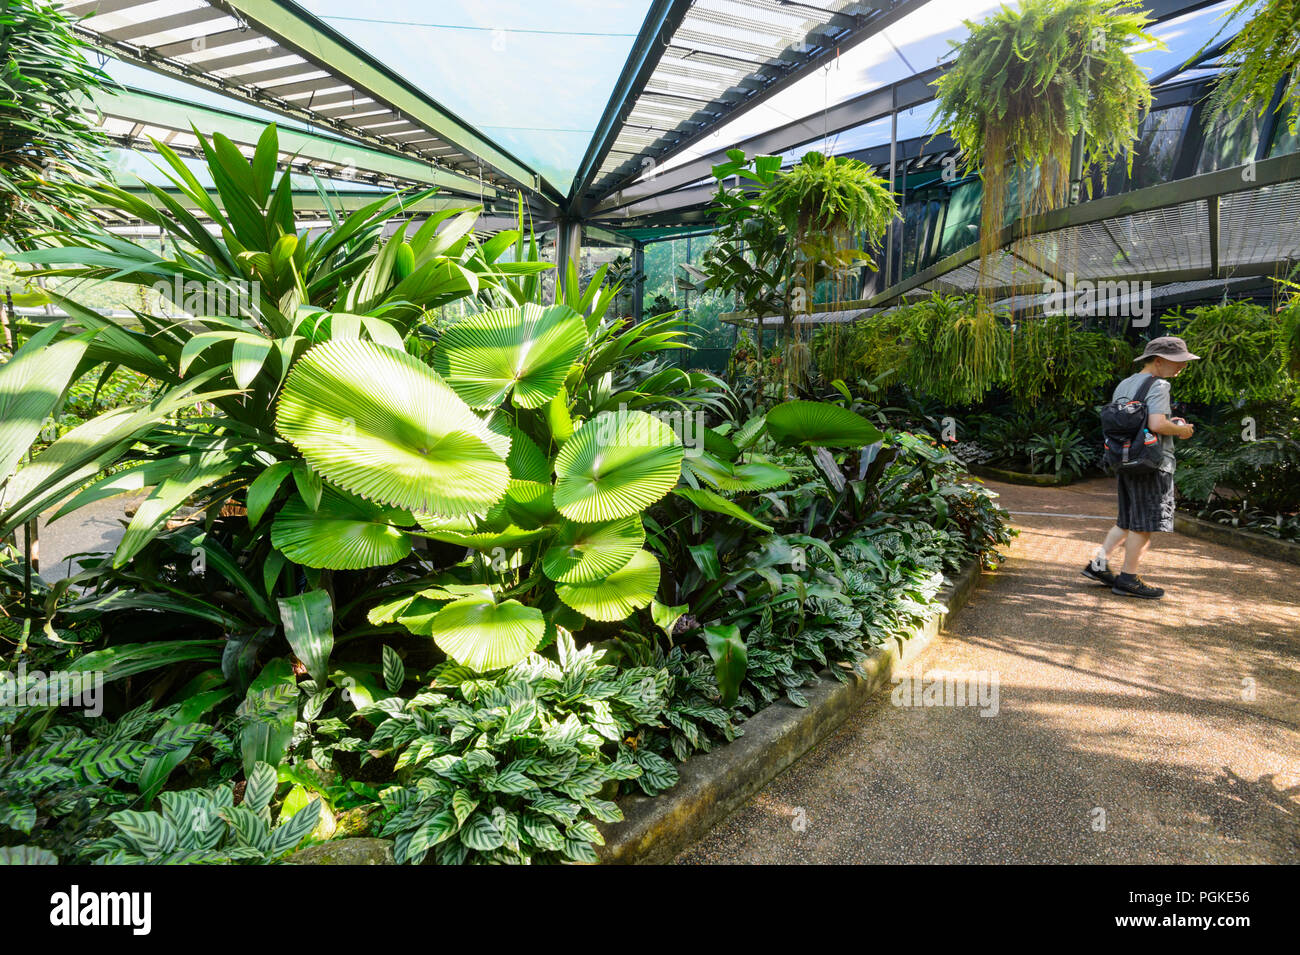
(46, 139)
(1264, 53)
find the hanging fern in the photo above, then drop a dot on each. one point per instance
(1040, 74)
(1024, 83)
(1264, 53)
(824, 201)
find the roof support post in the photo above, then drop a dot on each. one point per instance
(568, 248)
(638, 281)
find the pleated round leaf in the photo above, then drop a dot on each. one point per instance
(818, 424)
(526, 460)
(527, 351)
(483, 635)
(344, 533)
(757, 474)
(585, 553)
(529, 503)
(618, 595)
(616, 465)
(380, 424)
(754, 475)
(508, 537)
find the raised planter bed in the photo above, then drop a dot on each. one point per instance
(713, 785)
(1019, 477)
(1229, 536)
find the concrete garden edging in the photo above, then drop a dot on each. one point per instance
(1228, 536)
(1060, 479)
(713, 785)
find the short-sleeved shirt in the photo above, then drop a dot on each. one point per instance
(1158, 402)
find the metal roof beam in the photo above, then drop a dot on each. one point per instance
(662, 20)
(862, 109)
(296, 29)
(168, 113)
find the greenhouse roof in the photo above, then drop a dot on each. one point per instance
(608, 110)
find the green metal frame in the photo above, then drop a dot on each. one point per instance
(296, 29)
(153, 109)
(1209, 187)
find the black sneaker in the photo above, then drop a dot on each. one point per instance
(1102, 576)
(1131, 585)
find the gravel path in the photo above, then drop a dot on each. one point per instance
(1127, 731)
(95, 528)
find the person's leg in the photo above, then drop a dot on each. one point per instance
(1114, 538)
(1134, 547)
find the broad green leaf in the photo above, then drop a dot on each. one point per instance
(262, 491)
(525, 352)
(666, 617)
(380, 424)
(616, 465)
(484, 635)
(706, 500)
(730, 659)
(584, 553)
(819, 424)
(308, 621)
(31, 385)
(615, 597)
(344, 533)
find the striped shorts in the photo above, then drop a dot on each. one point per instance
(1146, 502)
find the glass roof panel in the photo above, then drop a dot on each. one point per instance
(535, 77)
(914, 44)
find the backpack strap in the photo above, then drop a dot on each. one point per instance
(1146, 387)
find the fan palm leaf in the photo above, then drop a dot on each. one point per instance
(615, 597)
(380, 424)
(616, 465)
(343, 533)
(527, 351)
(481, 634)
(584, 553)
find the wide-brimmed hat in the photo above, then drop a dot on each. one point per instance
(1167, 346)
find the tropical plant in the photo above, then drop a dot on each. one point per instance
(1061, 451)
(827, 203)
(46, 138)
(1052, 359)
(58, 780)
(513, 768)
(1245, 353)
(481, 451)
(1263, 55)
(1249, 454)
(196, 827)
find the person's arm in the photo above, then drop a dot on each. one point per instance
(1163, 424)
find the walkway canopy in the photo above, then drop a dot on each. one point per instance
(606, 116)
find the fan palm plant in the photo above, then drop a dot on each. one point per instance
(276, 293)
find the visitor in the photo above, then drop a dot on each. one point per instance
(1146, 501)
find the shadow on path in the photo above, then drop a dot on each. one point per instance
(1127, 731)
